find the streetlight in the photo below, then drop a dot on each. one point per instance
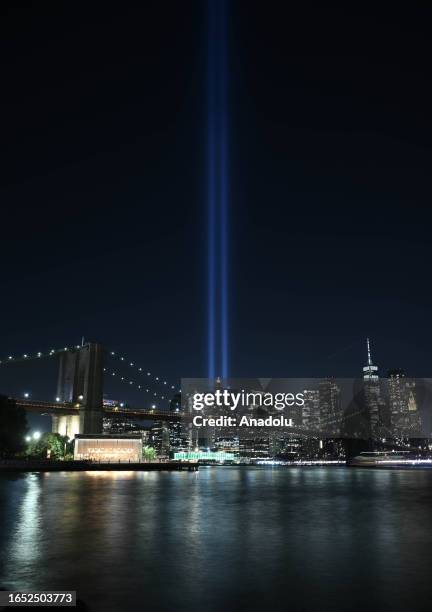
(26, 395)
(28, 438)
(36, 435)
(57, 399)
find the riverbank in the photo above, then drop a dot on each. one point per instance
(48, 465)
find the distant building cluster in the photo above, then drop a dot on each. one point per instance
(378, 408)
(382, 411)
(165, 437)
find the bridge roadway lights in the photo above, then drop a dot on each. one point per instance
(63, 408)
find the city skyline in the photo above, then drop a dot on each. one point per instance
(149, 388)
(388, 407)
(215, 339)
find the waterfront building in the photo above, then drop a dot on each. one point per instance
(204, 456)
(285, 445)
(254, 443)
(110, 448)
(227, 443)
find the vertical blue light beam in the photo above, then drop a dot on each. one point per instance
(217, 195)
(211, 198)
(223, 169)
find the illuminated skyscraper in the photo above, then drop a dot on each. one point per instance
(398, 403)
(404, 414)
(330, 407)
(372, 388)
(311, 410)
(178, 434)
(370, 371)
(159, 438)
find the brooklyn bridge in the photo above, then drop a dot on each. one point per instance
(79, 407)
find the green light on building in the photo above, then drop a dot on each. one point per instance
(204, 456)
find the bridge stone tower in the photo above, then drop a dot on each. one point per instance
(80, 382)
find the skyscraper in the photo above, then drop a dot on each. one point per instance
(374, 403)
(159, 438)
(330, 408)
(398, 403)
(178, 434)
(311, 410)
(404, 414)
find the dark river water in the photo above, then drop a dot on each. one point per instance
(222, 539)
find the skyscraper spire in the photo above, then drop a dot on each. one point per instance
(372, 390)
(370, 371)
(369, 352)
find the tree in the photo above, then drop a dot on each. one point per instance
(52, 444)
(149, 453)
(13, 427)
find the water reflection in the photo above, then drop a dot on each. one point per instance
(110, 474)
(26, 545)
(253, 537)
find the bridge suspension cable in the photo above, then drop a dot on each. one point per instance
(39, 355)
(164, 395)
(150, 377)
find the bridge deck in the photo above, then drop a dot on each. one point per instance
(66, 408)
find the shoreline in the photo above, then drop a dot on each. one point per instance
(48, 465)
(21, 465)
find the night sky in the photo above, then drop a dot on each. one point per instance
(103, 185)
